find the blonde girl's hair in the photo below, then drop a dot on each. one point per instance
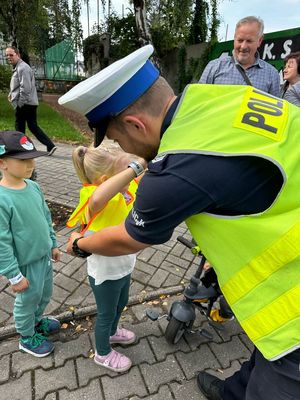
(92, 162)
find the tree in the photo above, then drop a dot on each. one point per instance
(198, 32)
(76, 27)
(59, 20)
(18, 25)
(123, 38)
(215, 22)
(169, 23)
(34, 25)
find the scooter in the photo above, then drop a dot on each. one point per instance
(201, 294)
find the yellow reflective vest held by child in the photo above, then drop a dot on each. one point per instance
(115, 211)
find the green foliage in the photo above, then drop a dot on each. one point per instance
(174, 23)
(34, 26)
(20, 21)
(5, 74)
(215, 21)
(198, 31)
(123, 39)
(56, 126)
(187, 72)
(170, 22)
(202, 62)
(181, 82)
(192, 73)
(205, 17)
(92, 45)
(59, 20)
(123, 35)
(76, 27)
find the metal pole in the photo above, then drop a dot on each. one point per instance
(98, 16)
(88, 16)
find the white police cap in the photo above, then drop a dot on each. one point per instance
(114, 88)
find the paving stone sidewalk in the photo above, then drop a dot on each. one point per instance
(159, 371)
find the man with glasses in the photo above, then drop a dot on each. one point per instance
(23, 97)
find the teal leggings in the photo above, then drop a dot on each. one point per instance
(30, 305)
(111, 298)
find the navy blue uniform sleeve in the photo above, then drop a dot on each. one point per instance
(166, 196)
(180, 185)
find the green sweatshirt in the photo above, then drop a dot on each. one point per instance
(26, 232)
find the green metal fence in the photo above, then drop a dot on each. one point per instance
(60, 61)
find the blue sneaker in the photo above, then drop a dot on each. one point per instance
(47, 326)
(36, 345)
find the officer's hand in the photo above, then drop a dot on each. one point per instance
(74, 235)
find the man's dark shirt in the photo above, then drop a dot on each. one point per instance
(180, 185)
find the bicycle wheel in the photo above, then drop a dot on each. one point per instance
(174, 330)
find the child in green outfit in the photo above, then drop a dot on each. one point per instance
(27, 243)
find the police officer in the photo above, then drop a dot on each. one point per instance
(225, 161)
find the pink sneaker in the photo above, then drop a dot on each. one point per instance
(114, 361)
(123, 336)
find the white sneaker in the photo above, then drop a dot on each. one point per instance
(52, 151)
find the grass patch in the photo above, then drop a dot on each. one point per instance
(52, 123)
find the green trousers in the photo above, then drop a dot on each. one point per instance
(30, 304)
(111, 298)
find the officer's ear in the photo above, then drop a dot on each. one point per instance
(134, 122)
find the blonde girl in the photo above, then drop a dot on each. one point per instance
(108, 175)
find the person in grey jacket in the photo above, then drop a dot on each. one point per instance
(291, 74)
(23, 97)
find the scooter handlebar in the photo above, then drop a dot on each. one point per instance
(186, 242)
(191, 244)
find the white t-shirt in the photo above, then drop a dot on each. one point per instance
(103, 268)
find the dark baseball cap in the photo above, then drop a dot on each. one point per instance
(17, 145)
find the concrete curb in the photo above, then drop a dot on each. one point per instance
(10, 330)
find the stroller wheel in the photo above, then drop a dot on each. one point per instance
(175, 330)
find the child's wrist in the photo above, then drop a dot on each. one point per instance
(16, 279)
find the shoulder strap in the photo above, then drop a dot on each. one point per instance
(242, 72)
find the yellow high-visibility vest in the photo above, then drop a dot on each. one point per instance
(256, 257)
(115, 211)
